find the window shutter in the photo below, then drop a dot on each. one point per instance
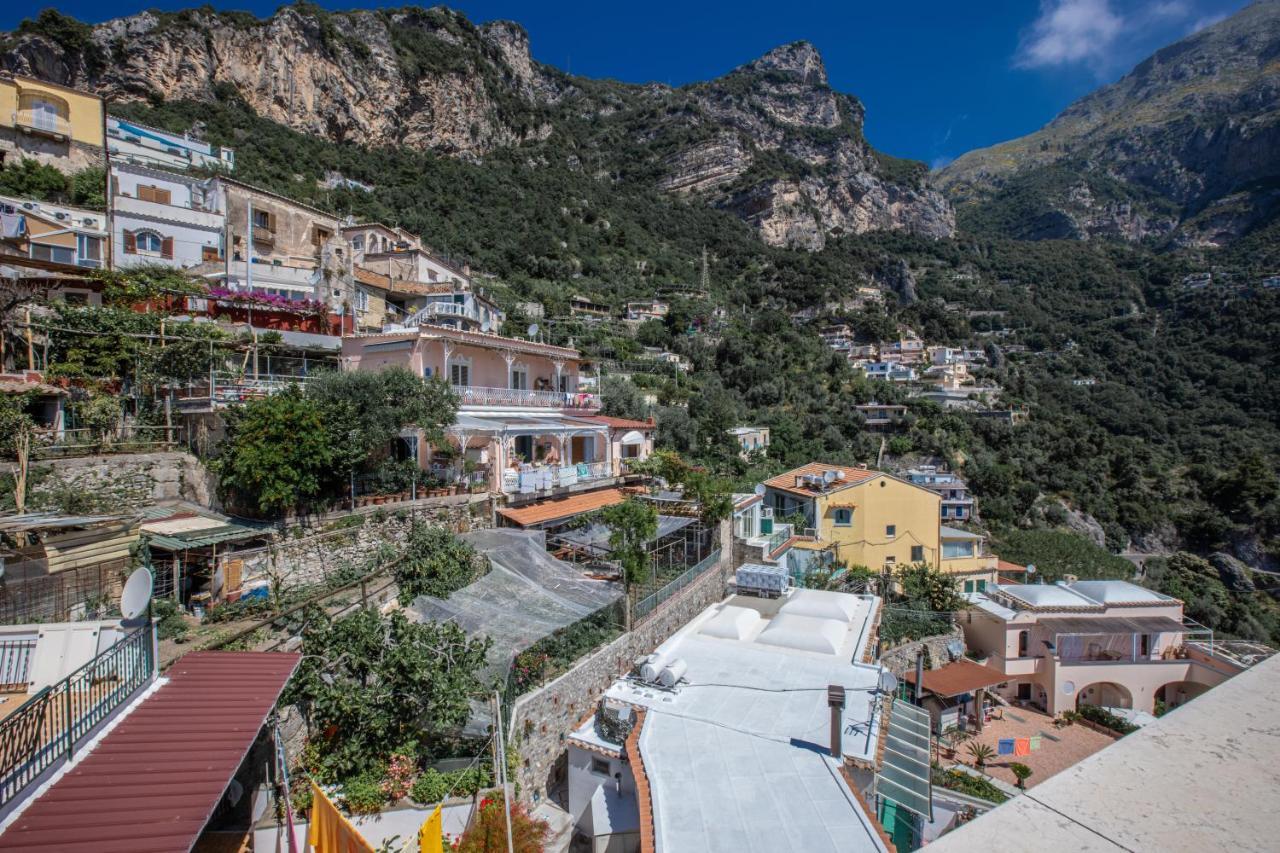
(271, 222)
(115, 185)
(130, 243)
(163, 196)
(166, 248)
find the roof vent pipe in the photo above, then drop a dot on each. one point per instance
(835, 701)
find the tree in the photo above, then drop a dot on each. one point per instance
(435, 563)
(488, 833)
(927, 588)
(981, 753)
(17, 431)
(363, 411)
(620, 398)
(276, 455)
(633, 524)
(1022, 771)
(370, 686)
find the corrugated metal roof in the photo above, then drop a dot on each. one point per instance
(155, 780)
(226, 531)
(962, 676)
(1113, 625)
(37, 521)
(559, 508)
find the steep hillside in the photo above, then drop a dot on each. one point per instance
(771, 141)
(1186, 146)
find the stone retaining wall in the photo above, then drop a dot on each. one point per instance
(539, 721)
(121, 481)
(902, 659)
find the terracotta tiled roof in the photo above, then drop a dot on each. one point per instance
(644, 798)
(419, 288)
(554, 510)
(620, 423)
(962, 676)
(1006, 566)
(852, 477)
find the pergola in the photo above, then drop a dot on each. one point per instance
(959, 678)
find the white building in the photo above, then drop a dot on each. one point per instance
(736, 752)
(166, 218)
(138, 144)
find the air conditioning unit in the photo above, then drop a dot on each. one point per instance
(59, 215)
(89, 221)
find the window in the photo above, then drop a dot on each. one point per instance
(149, 241)
(319, 236)
(261, 219)
(362, 300)
(890, 561)
(600, 766)
(57, 254)
(844, 517)
(1024, 640)
(459, 374)
(357, 242)
(520, 378)
(891, 530)
(917, 553)
(90, 250)
(957, 550)
(968, 586)
(982, 586)
(155, 194)
(46, 114)
(1024, 691)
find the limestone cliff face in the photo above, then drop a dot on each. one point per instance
(771, 142)
(1185, 148)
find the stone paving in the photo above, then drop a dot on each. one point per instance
(1075, 743)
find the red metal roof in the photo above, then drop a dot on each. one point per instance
(156, 778)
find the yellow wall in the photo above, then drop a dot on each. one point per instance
(84, 111)
(878, 503)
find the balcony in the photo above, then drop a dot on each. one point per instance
(224, 389)
(264, 236)
(435, 310)
(43, 123)
(531, 479)
(480, 397)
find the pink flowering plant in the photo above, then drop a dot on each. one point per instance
(399, 779)
(270, 301)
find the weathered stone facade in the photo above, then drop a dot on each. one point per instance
(901, 659)
(122, 481)
(540, 721)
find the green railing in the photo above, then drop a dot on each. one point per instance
(46, 730)
(647, 604)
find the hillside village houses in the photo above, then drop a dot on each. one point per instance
(51, 124)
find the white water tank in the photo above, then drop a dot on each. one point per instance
(672, 673)
(652, 668)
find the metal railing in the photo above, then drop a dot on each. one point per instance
(49, 727)
(43, 121)
(647, 604)
(15, 664)
(536, 478)
(475, 395)
(781, 534)
(131, 438)
(224, 388)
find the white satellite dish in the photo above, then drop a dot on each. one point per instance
(484, 326)
(760, 490)
(136, 595)
(888, 682)
(828, 477)
(533, 329)
(1031, 569)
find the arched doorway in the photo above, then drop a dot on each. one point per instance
(1108, 694)
(1177, 693)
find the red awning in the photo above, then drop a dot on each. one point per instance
(154, 781)
(962, 676)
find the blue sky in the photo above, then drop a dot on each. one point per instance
(938, 77)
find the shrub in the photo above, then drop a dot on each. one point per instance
(399, 777)
(431, 787)
(1022, 771)
(364, 793)
(1103, 717)
(171, 625)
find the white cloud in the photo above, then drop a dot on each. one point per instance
(1206, 21)
(1070, 32)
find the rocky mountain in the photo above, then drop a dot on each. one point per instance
(1184, 148)
(771, 142)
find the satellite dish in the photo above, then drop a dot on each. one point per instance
(760, 490)
(888, 682)
(828, 477)
(136, 595)
(484, 326)
(533, 329)
(1031, 569)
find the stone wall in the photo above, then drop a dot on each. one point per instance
(539, 721)
(901, 659)
(121, 481)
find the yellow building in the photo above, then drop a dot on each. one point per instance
(860, 516)
(49, 123)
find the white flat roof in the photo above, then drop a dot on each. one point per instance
(1202, 777)
(1045, 595)
(1118, 592)
(736, 756)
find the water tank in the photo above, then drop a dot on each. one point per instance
(672, 673)
(652, 668)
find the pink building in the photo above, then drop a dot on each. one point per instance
(1108, 643)
(526, 423)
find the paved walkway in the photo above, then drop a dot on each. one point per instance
(1074, 744)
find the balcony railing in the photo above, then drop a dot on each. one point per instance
(43, 122)
(442, 309)
(46, 730)
(227, 388)
(15, 664)
(531, 479)
(473, 395)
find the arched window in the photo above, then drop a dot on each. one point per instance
(149, 241)
(1024, 638)
(45, 112)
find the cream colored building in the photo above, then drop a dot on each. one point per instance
(52, 124)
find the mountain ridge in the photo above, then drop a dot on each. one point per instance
(1185, 148)
(769, 141)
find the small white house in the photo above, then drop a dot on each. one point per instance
(160, 217)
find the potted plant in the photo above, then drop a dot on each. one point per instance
(1022, 771)
(981, 753)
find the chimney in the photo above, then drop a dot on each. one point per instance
(835, 701)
